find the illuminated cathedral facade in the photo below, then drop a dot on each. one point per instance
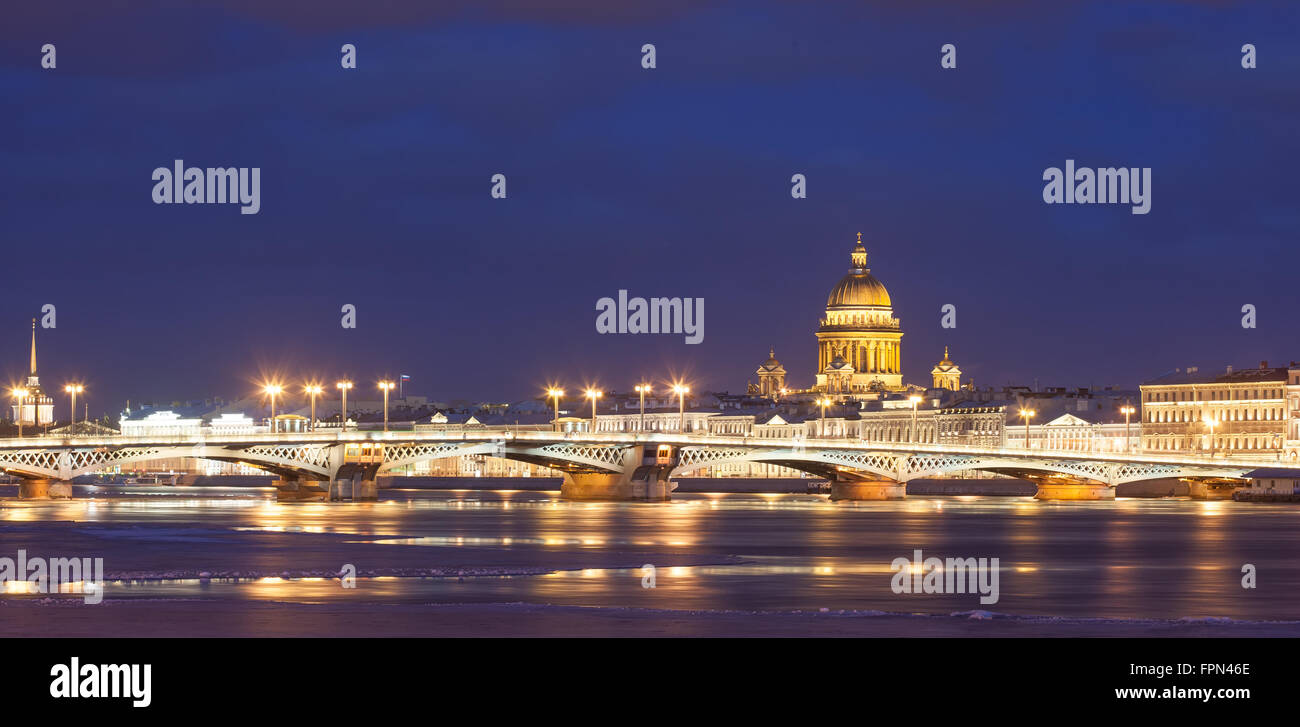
(859, 344)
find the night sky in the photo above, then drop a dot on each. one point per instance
(666, 182)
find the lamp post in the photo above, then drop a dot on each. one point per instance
(681, 392)
(387, 386)
(1126, 411)
(642, 389)
(73, 389)
(273, 389)
(20, 395)
(555, 395)
(594, 394)
(823, 403)
(1027, 414)
(344, 386)
(916, 400)
(1211, 423)
(313, 391)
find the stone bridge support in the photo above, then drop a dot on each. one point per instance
(44, 489)
(844, 489)
(636, 481)
(1048, 490)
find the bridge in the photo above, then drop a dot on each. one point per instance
(603, 466)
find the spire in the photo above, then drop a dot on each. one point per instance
(33, 347)
(859, 255)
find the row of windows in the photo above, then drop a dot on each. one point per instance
(1230, 415)
(1220, 442)
(1214, 395)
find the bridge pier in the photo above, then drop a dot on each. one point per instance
(1074, 491)
(614, 486)
(1213, 490)
(355, 490)
(868, 490)
(301, 490)
(44, 489)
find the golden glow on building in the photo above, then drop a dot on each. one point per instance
(859, 340)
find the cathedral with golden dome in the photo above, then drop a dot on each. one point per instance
(859, 344)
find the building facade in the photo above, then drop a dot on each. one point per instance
(1239, 413)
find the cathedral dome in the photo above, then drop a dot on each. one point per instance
(858, 288)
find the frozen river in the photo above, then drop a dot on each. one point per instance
(430, 558)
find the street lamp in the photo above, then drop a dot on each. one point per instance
(273, 389)
(823, 403)
(555, 394)
(20, 395)
(681, 392)
(344, 386)
(313, 391)
(594, 394)
(74, 389)
(1027, 414)
(387, 386)
(1126, 411)
(915, 401)
(643, 389)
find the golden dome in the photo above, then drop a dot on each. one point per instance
(859, 287)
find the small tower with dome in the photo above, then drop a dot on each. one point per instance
(771, 376)
(946, 374)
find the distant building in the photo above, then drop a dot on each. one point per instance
(946, 375)
(161, 424)
(35, 407)
(771, 377)
(859, 342)
(1238, 413)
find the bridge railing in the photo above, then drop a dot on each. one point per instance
(326, 438)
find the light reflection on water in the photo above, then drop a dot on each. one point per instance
(1127, 558)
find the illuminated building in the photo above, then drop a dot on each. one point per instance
(771, 376)
(859, 340)
(36, 407)
(946, 375)
(1242, 413)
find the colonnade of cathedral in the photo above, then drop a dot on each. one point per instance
(865, 356)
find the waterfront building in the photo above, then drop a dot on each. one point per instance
(1292, 443)
(1273, 482)
(161, 424)
(1238, 413)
